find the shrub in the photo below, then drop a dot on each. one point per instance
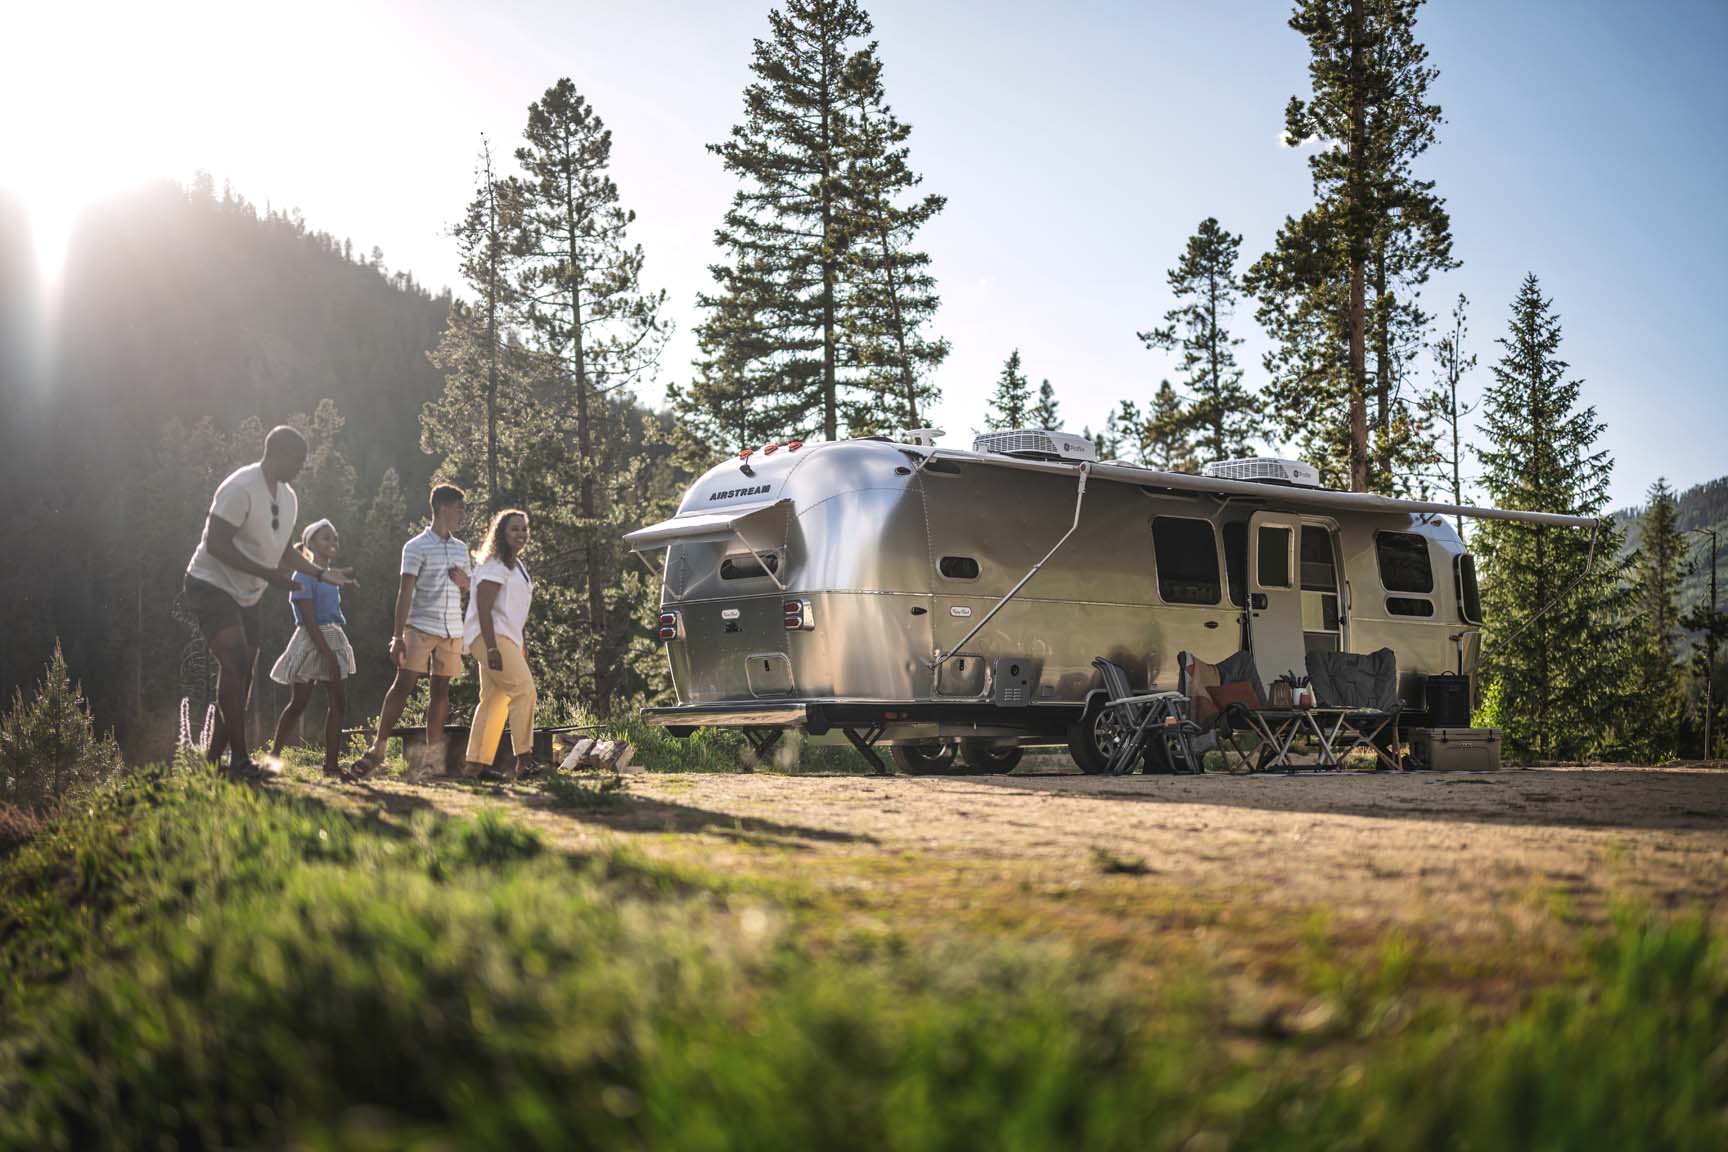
(49, 748)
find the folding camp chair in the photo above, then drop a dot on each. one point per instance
(1150, 722)
(1358, 704)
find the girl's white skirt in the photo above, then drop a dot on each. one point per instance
(302, 663)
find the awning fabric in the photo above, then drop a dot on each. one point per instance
(762, 525)
(1278, 494)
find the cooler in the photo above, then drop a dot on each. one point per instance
(1456, 749)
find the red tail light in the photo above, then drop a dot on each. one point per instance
(668, 625)
(799, 617)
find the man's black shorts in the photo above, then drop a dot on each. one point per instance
(215, 610)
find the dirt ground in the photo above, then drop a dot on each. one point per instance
(1480, 873)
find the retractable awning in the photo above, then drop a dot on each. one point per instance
(1283, 495)
(759, 525)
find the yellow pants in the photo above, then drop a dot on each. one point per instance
(507, 691)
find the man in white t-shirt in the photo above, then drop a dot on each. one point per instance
(246, 548)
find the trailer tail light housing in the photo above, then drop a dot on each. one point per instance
(670, 626)
(800, 616)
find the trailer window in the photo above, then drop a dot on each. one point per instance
(1469, 595)
(1409, 606)
(1404, 563)
(1186, 555)
(1318, 571)
(1236, 561)
(1273, 570)
(746, 567)
(958, 567)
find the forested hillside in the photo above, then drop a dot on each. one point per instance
(1701, 506)
(187, 322)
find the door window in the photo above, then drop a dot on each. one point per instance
(1273, 568)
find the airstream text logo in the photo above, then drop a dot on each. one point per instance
(731, 492)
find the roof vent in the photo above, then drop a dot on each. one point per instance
(1036, 444)
(1266, 470)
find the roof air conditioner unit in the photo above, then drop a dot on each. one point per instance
(1037, 444)
(1266, 470)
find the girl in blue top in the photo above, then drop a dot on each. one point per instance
(319, 651)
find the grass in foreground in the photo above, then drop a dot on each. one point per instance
(186, 962)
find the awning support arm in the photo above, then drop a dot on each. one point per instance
(769, 571)
(1559, 598)
(1079, 500)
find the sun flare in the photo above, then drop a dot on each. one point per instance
(101, 96)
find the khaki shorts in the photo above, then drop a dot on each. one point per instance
(433, 655)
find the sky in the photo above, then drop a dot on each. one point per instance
(1078, 145)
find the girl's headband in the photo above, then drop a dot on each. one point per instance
(312, 530)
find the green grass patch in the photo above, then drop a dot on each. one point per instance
(186, 962)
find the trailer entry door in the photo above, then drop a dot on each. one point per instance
(1275, 595)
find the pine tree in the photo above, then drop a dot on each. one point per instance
(49, 747)
(595, 332)
(487, 263)
(1168, 433)
(1045, 413)
(890, 295)
(770, 343)
(1225, 416)
(1443, 407)
(1011, 403)
(1346, 274)
(1659, 567)
(1556, 638)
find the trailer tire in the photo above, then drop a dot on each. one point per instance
(984, 760)
(935, 758)
(1091, 742)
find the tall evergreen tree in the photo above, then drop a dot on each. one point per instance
(770, 344)
(595, 332)
(1443, 407)
(890, 295)
(1374, 229)
(1555, 638)
(1046, 412)
(1225, 416)
(1011, 403)
(1659, 567)
(486, 259)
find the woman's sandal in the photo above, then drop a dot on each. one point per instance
(367, 764)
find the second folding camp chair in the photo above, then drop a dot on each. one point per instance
(1358, 703)
(1146, 723)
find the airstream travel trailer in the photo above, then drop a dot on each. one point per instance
(950, 602)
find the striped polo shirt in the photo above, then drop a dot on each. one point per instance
(437, 607)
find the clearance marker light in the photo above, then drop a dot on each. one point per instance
(794, 445)
(768, 449)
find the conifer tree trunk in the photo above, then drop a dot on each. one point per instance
(830, 249)
(1358, 211)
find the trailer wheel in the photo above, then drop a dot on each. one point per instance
(933, 759)
(1094, 738)
(985, 760)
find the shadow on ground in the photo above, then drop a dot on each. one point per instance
(1577, 798)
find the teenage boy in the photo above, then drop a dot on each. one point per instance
(247, 548)
(428, 635)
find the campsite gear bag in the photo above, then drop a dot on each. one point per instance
(1447, 697)
(1456, 749)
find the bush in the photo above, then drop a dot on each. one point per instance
(49, 749)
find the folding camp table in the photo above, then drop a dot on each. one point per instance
(1335, 731)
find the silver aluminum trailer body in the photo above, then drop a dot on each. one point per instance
(842, 585)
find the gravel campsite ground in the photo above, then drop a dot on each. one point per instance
(1475, 883)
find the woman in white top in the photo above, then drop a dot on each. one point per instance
(492, 633)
